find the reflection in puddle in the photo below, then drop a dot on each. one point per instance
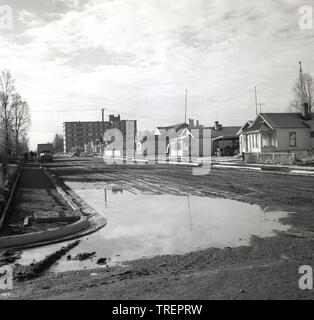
(148, 225)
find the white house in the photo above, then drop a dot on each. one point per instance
(181, 146)
(278, 132)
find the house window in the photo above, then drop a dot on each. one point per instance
(312, 134)
(255, 140)
(292, 139)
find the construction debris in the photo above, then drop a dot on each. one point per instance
(37, 269)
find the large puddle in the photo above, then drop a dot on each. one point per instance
(148, 225)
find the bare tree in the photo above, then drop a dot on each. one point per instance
(21, 120)
(58, 143)
(7, 91)
(303, 91)
(14, 120)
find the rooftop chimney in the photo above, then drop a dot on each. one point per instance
(306, 111)
(217, 126)
(112, 117)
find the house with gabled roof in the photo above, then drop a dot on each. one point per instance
(278, 133)
(225, 140)
(165, 135)
(157, 141)
(167, 130)
(186, 139)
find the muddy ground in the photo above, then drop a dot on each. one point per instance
(268, 269)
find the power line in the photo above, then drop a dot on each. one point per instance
(232, 98)
(260, 106)
(94, 109)
(99, 109)
(65, 110)
(141, 116)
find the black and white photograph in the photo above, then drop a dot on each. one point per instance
(156, 150)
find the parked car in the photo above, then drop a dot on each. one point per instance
(77, 153)
(45, 156)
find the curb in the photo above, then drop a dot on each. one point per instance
(65, 196)
(47, 236)
(276, 170)
(12, 192)
(130, 160)
(80, 228)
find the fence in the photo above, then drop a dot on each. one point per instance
(283, 158)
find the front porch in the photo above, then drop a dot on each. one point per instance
(257, 142)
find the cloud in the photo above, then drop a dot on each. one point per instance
(139, 57)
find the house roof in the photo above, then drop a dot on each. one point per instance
(226, 137)
(285, 120)
(175, 126)
(245, 126)
(270, 121)
(224, 131)
(258, 125)
(183, 134)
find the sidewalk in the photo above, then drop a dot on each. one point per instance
(215, 162)
(37, 200)
(283, 169)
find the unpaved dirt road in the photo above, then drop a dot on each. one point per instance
(268, 269)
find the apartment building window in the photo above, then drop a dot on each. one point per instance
(312, 134)
(292, 139)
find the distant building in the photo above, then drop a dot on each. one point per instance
(272, 133)
(82, 135)
(225, 140)
(164, 136)
(189, 139)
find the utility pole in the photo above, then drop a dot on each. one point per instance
(255, 100)
(186, 104)
(103, 114)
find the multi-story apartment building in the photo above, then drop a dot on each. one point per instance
(78, 134)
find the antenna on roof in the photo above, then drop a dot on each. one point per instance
(186, 104)
(255, 100)
(260, 106)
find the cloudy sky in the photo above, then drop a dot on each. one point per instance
(70, 58)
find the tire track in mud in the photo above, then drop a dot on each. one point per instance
(178, 180)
